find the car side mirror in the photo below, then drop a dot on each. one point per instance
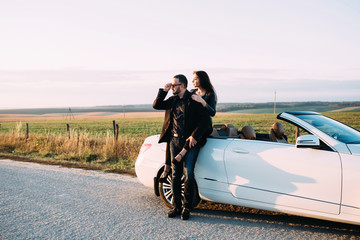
(308, 141)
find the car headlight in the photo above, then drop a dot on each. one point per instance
(144, 147)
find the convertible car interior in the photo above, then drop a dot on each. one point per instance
(276, 134)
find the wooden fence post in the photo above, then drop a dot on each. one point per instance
(68, 130)
(117, 131)
(114, 129)
(78, 137)
(27, 131)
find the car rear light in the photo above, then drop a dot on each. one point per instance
(145, 147)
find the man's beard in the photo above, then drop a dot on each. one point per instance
(175, 92)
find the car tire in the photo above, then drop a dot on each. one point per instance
(166, 194)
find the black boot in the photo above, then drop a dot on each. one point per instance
(185, 214)
(173, 213)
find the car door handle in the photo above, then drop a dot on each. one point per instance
(240, 151)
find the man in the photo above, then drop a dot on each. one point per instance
(185, 120)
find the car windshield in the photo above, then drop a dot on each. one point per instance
(333, 128)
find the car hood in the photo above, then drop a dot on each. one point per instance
(354, 148)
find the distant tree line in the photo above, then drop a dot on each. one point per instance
(230, 107)
(221, 107)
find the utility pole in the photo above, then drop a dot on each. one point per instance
(70, 115)
(275, 102)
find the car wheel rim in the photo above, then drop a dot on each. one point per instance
(168, 191)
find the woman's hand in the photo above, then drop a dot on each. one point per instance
(192, 141)
(178, 158)
(198, 98)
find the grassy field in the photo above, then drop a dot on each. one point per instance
(141, 126)
(92, 144)
(94, 127)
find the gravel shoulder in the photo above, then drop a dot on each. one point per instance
(52, 202)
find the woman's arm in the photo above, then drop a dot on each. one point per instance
(207, 101)
(211, 104)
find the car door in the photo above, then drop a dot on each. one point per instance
(281, 175)
(210, 173)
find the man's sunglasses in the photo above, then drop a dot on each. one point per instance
(177, 84)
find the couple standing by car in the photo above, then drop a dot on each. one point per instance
(187, 124)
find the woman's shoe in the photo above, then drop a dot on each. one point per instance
(164, 176)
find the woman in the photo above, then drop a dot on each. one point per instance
(203, 93)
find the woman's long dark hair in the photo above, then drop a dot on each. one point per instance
(205, 82)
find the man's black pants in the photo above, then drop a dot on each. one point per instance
(176, 145)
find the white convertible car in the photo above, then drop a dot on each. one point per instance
(316, 177)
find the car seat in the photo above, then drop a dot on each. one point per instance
(231, 130)
(277, 133)
(224, 130)
(247, 132)
(220, 130)
(214, 133)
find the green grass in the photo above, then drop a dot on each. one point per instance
(127, 126)
(95, 143)
(149, 126)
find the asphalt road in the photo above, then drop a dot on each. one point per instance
(50, 202)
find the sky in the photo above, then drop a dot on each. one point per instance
(62, 53)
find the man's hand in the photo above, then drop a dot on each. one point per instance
(192, 141)
(167, 87)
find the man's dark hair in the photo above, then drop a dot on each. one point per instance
(182, 79)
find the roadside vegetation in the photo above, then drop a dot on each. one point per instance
(92, 144)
